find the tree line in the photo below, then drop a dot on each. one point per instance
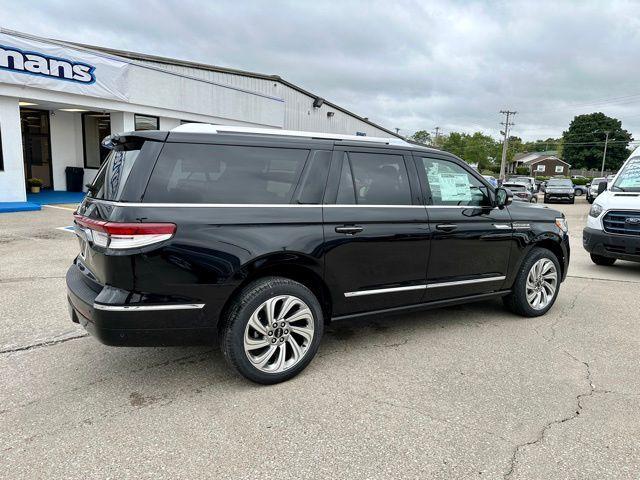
(581, 145)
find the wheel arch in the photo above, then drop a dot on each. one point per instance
(295, 266)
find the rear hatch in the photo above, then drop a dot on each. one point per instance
(108, 235)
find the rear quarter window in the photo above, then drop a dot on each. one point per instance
(192, 173)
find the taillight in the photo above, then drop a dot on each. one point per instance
(125, 235)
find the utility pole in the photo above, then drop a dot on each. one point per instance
(604, 155)
(507, 125)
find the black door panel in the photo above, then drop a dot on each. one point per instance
(471, 240)
(375, 254)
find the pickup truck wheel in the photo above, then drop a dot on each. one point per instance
(600, 260)
(536, 286)
(272, 330)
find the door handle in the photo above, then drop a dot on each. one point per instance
(446, 227)
(349, 229)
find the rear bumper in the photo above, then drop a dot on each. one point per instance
(623, 247)
(134, 324)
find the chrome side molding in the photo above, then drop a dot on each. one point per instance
(376, 291)
(142, 308)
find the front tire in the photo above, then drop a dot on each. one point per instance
(536, 285)
(604, 261)
(272, 330)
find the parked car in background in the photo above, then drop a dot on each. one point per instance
(613, 223)
(592, 191)
(530, 182)
(251, 237)
(492, 180)
(580, 190)
(521, 192)
(559, 190)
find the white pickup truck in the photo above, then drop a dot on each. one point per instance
(613, 224)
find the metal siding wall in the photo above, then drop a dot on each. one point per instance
(299, 113)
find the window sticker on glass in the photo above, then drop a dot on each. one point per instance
(454, 187)
(630, 176)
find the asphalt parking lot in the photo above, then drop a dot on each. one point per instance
(463, 392)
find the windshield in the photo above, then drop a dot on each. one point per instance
(596, 181)
(629, 178)
(560, 182)
(515, 186)
(520, 180)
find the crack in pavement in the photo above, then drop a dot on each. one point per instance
(540, 437)
(46, 343)
(564, 314)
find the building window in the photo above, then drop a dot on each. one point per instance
(95, 127)
(540, 168)
(145, 122)
(559, 169)
(1, 157)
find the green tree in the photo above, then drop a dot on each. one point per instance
(477, 149)
(583, 142)
(422, 136)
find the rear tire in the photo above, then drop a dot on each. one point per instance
(604, 261)
(271, 330)
(536, 286)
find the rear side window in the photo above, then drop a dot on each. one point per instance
(112, 177)
(188, 173)
(374, 179)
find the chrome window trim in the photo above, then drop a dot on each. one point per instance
(376, 291)
(129, 308)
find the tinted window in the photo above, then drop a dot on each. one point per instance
(377, 179)
(346, 192)
(515, 187)
(314, 178)
(450, 184)
(188, 173)
(112, 177)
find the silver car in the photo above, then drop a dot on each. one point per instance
(521, 192)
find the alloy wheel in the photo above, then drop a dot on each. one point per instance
(542, 282)
(279, 334)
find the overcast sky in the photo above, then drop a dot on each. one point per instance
(410, 65)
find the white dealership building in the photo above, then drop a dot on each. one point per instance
(59, 99)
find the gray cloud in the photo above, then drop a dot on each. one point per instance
(411, 65)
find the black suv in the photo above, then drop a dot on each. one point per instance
(261, 237)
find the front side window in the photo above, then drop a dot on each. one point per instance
(374, 179)
(95, 127)
(452, 185)
(188, 173)
(146, 122)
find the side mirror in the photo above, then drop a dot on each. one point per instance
(504, 197)
(602, 186)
